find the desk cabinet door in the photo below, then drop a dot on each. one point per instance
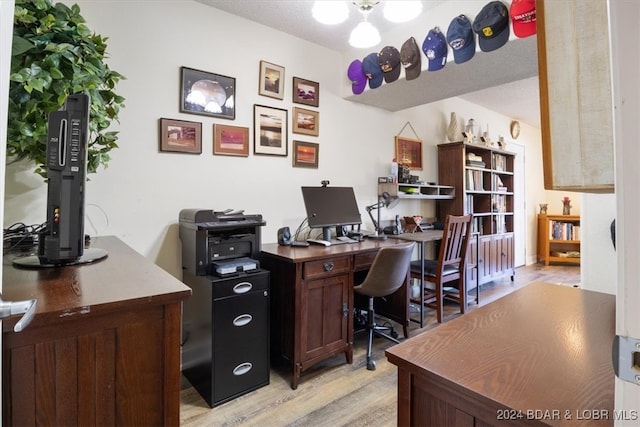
(324, 312)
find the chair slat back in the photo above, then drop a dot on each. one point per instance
(455, 240)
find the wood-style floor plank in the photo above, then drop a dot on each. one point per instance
(334, 393)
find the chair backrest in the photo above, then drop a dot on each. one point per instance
(388, 270)
(455, 240)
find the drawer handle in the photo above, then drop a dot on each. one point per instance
(242, 287)
(243, 319)
(242, 368)
(328, 266)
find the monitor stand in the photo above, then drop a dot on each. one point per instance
(89, 256)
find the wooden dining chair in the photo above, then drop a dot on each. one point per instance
(449, 268)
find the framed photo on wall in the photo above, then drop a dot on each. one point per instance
(180, 136)
(230, 140)
(271, 82)
(306, 92)
(305, 122)
(270, 131)
(409, 152)
(306, 154)
(207, 94)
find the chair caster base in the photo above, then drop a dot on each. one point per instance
(371, 365)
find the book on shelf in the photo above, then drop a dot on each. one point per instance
(559, 230)
(500, 162)
(474, 180)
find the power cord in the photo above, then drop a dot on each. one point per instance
(21, 236)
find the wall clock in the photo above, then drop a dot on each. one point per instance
(515, 129)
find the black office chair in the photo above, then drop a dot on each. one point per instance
(389, 271)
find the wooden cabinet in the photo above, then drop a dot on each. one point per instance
(103, 347)
(512, 363)
(559, 239)
(483, 179)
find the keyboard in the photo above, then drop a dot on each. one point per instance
(346, 239)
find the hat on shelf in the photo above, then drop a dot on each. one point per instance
(389, 60)
(461, 39)
(434, 47)
(372, 70)
(357, 77)
(410, 57)
(492, 26)
(523, 17)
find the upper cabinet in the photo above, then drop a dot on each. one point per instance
(576, 105)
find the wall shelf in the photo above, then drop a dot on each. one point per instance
(418, 191)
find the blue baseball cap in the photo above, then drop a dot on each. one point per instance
(492, 26)
(434, 47)
(357, 77)
(371, 69)
(461, 39)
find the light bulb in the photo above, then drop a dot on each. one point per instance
(364, 35)
(330, 12)
(401, 10)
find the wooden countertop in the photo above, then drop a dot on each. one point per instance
(124, 279)
(544, 347)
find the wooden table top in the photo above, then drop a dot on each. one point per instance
(421, 236)
(124, 279)
(543, 347)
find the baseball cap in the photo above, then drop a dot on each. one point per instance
(523, 17)
(492, 26)
(435, 48)
(389, 60)
(411, 58)
(372, 70)
(461, 39)
(357, 77)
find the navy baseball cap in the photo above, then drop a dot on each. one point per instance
(357, 77)
(492, 26)
(371, 69)
(389, 60)
(434, 47)
(461, 39)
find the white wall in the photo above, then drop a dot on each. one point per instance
(138, 197)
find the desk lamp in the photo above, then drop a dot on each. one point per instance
(384, 200)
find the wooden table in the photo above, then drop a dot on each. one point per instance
(422, 237)
(312, 300)
(539, 356)
(103, 347)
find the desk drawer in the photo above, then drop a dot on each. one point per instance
(325, 267)
(364, 260)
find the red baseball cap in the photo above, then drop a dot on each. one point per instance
(523, 17)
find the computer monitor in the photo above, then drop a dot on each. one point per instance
(329, 207)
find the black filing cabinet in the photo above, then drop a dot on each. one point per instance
(226, 335)
(225, 323)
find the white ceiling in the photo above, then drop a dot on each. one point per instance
(509, 90)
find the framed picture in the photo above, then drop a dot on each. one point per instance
(207, 94)
(305, 154)
(271, 80)
(181, 136)
(306, 92)
(270, 131)
(409, 152)
(305, 122)
(230, 140)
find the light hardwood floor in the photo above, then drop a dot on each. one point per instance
(334, 393)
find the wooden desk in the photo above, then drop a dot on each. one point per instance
(103, 347)
(312, 300)
(539, 356)
(422, 237)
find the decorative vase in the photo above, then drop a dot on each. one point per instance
(566, 206)
(452, 130)
(543, 208)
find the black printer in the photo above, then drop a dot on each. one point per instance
(210, 237)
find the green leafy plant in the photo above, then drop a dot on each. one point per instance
(54, 55)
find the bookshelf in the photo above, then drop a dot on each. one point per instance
(483, 178)
(559, 239)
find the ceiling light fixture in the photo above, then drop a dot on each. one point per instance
(365, 35)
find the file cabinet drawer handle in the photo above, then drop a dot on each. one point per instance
(242, 368)
(242, 287)
(243, 319)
